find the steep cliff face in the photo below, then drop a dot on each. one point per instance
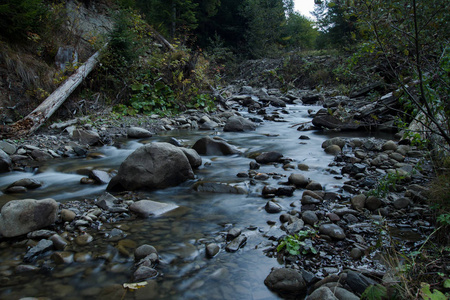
(30, 71)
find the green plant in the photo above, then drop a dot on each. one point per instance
(374, 292)
(385, 184)
(300, 243)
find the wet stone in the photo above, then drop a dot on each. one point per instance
(40, 234)
(310, 217)
(144, 272)
(83, 240)
(402, 203)
(272, 207)
(373, 203)
(295, 226)
(358, 201)
(143, 251)
(62, 257)
(285, 191)
(41, 247)
(356, 253)
(58, 241)
(285, 281)
(25, 269)
(16, 190)
(333, 217)
(299, 180)
(332, 230)
(322, 293)
(314, 186)
(233, 233)
(358, 282)
(212, 250)
(237, 243)
(67, 215)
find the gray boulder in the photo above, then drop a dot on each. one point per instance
(152, 166)
(146, 208)
(238, 124)
(194, 158)
(209, 146)
(138, 133)
(5, 162)
(285, 281)
(268, 157)
(19, 217)
(88, 137)
(322, 293)
(332, 230)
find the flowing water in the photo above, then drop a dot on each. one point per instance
(179, 236)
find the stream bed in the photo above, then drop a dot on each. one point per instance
(179, 236)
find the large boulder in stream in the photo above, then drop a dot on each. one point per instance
(239, 124)
(19, 217)
(152, 166)
(332, 122)
(210, 146)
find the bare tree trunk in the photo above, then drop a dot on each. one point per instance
(45, 110)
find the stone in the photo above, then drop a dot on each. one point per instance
(210, 146)
(41, 247)
(389, 145)
(138, 133)
(373, 203)
(285, 191)
(233, 233)
(67, 215)
(152, 166)
(331, 122)
(333, 231)
(236, 243)
(322, 293)
(22, 216)
(63, 257)
(343, 294)
(356, 253)
(59, 242)
(334, 141)
(194, 158)
(41, 155)
(211, 250)
(143, 251)
(299, 180)
(15, 190)
(333, 150)
(84, 239)
(295, 226)
(358, 201)
(359, 282)
(100, 177)
(272, 207)
(5, 162)
(306, 199)
(8, 148)
(144, 273)
(239, 124)
(86, 137)
(310, 217)
(146, 208)
(303, 167)
(402, 203)
(314, 186)
(217, 187)
(269, 157)
(285, 281)
(28, 183)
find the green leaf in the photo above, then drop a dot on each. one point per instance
(447, 283)
(375, 292)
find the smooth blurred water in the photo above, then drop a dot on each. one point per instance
(180, 236)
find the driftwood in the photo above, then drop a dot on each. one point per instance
(45, 110)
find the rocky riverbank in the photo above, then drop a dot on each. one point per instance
(330, 243)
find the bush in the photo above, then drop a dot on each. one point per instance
(19, 19)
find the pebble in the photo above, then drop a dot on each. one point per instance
(83, 240)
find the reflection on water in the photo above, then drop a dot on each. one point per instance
(179, 236)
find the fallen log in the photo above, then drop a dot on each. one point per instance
(45, 110)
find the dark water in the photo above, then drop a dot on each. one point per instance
(179, 236)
